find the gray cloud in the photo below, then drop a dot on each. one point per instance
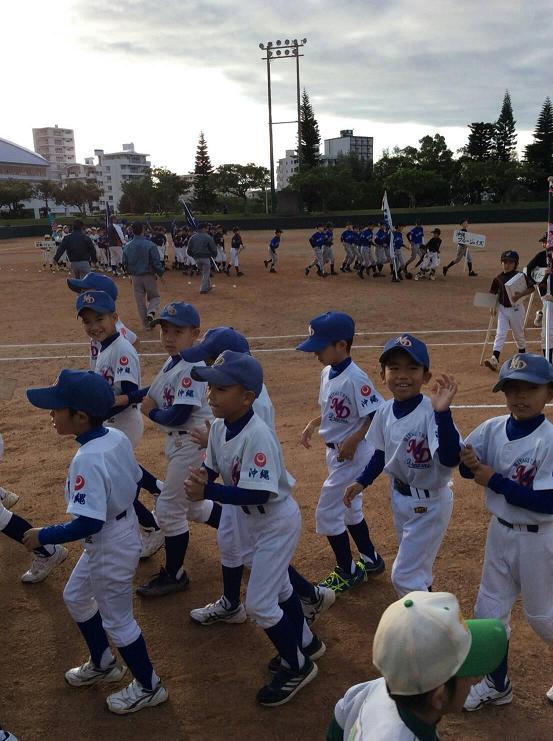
(433, 62)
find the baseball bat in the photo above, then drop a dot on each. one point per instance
(214, 264)
(490, 323)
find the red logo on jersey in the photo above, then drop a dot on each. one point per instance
(260, 459)
(419, 450)
(524, 476)
(340, 409)
(186, 382)
(79, 483)
(365, 390)
(123, 360)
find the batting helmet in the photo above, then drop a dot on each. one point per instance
(510, 255)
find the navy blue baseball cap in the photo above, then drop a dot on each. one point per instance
(411, 345)
(94, 282)
(99, 301)
(326, 329)
(214, 342)
(232, 368)
(510, 255)
(525, 366)
(84, 391)
(180, 314)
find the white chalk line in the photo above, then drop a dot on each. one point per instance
(274, 337)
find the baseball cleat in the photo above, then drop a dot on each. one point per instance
(372, 567)
(285, 684)
(135, 697)
(313, 651)
(43, 565)
(87, 674)
(152, 541)
(325, 598)
(162, 584)
(485, 693)
(444, 271)
(340, 581)
(150, 317)
(472, 274)
(219, 612)
(538, 319)
(549, 695)
(8, 498)
(492, 363)
(7, 736)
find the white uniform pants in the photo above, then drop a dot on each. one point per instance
(518, 562)
(510, 318)
(382, 255)
(430, 261)
(318, 257)
(130, 422)
(234, 257)
(221, 256)
(273, 255)
(400, 260)
(173, 509)
(350, 253)
(179, 255)
(328, 254)
(420, 525)
(332, 516)
(115, 255)
(415, 251)
(268, 542)
(367, 255)
(103, 579)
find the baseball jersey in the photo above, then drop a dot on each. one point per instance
(498, 286)
(236, 242)
(274, 243)
(175, 385)
(365, 237)
(263, 407)
(410, 445)
(329, 236)
(317, 239)
(381, 237)
(367, 712)
(102, 478)
(434, 244)
(345, 401)
(348, 236)
(528, 461)
(398, 240)
(118, 362)
(251, 460)
(95, 346)
(416, 235)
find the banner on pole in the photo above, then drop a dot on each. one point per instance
(476, 241)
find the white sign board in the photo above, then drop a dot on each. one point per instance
(485, 300)
(45, 244)
(517, 284)
(476, 241)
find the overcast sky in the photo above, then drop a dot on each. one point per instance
(156, 72)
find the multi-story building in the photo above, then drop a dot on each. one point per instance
(115, 168)
(57, 146)
(287, 166)
(346, 144)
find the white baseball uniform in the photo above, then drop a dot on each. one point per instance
(345, 400)
(267, 534)
(510, 317)
(172, 386)
(421, 495)
(101, 483)
(517, 560)
(116, 363)
(95, 346)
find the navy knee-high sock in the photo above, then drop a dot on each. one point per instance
(148, 482)
(145, 517)
(302, 587)
(16, 529)
(175, 551)
(499, 675)
(232, 582)
(215, 516)
(360, 534)
(96, 638)
(342, 550)
(135, 656)
(283, 637)
(293, 610)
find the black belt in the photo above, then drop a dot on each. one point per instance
(528, 528)
(179, 432)
(260, 509)
(331, 445)
(405, 490)
(121, 515)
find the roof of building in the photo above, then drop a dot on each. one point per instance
(17, 155)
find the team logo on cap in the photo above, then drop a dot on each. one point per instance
(171, 310)
(79, 483)
(311, 331)
(365, 390)
(260, 459)
(404, 341)
(517, 363)
(220, 360)
(88, 299)
(123, 360)
(186, 382)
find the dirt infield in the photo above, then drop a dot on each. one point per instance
(213, 673)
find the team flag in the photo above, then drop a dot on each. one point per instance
(192, 223)
(389, 223)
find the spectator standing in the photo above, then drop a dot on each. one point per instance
(80, 250)
(202, 248)
(141, 261)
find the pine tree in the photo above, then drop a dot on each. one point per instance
(505, 137)
(204, 195)
(539, 153)
(480, 145)
(310, 137)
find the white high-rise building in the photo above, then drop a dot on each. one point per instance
(57, 146)
(346, 144)
(115, 168)
(287, 166)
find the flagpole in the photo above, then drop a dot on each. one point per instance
(389, 223)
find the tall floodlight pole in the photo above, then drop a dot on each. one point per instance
(282, 50)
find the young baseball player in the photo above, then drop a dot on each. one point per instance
(462, 253)
(328, 251)
(236, 247)
(229, 608)
(219, 239)
(431, 257)
(177, 403)
(511, 456)
(6, 735)
(508, 316)
(99, 491)
(348, 400)
(367, 259)
(246, 454)
(381, 244)
(427, 654)
(398, 245)
(416, 443)
(348, 238)
(274, 244)
(415, 237)
(178, 237)
(317, 241)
